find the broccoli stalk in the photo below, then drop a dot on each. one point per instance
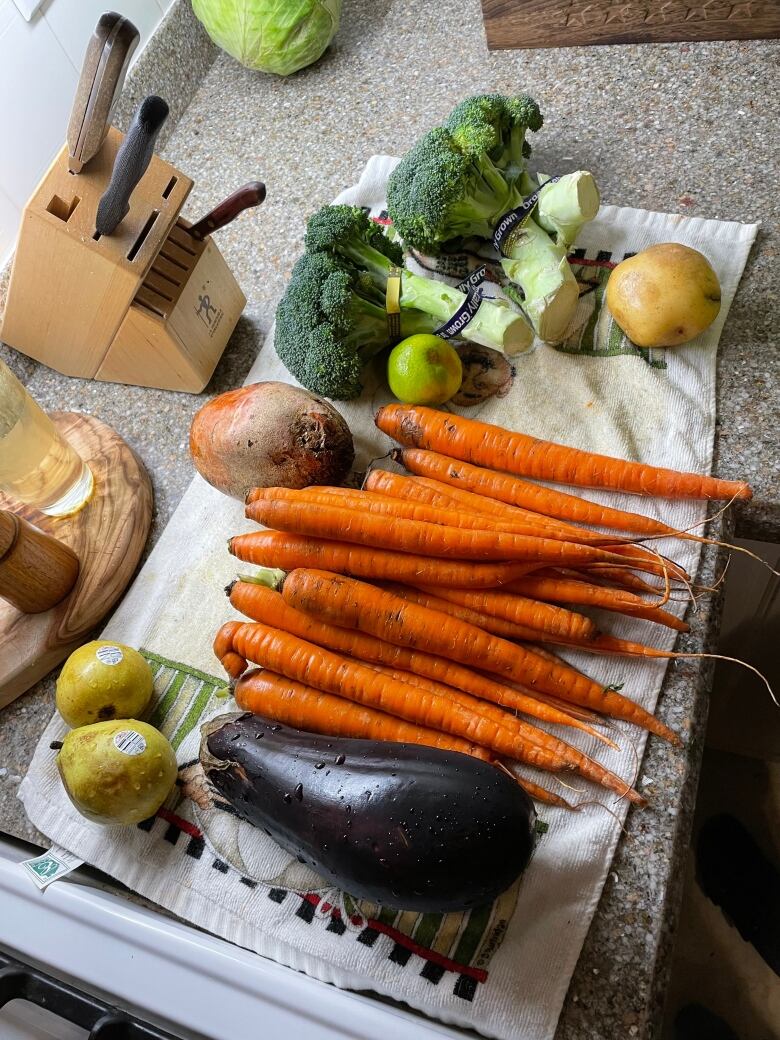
(346, 231)
(540, 268)
(564, 207)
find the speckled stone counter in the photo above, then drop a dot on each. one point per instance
(679, 127)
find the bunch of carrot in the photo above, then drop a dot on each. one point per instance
(414, 609)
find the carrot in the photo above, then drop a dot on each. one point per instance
(442, 496)
(535, 747)
(641, 552)
(470, 440)
(274, 548)
(568, 590)
(432, 492)
(487, 622)
(541, 750)
(520, 610)
(414, 536)
(514, 492)
(437, 493)
(354, 604)
(333, 673)
(296, 704)
(264, 604)
(618, 576)
(583, 714)
(541, 794)
(384, 505)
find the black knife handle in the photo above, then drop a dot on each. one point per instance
(249, 195)
(132, 160)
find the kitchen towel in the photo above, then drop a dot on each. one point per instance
(502, 969)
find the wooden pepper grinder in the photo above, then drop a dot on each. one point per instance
(36, 570)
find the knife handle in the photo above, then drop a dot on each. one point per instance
(100, 83)
(132, 160)
(249, 195)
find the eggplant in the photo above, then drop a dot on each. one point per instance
(409, 827)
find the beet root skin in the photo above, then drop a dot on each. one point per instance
(269, 434)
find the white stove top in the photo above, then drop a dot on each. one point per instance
(182, 980)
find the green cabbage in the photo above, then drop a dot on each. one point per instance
(279, 36)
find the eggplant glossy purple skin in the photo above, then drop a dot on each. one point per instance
(405, 826)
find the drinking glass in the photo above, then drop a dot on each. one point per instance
(37, 465)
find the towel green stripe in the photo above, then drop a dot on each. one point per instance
(170, 695)
(193, 715)
(472, 934)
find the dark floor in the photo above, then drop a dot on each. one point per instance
(726, 976)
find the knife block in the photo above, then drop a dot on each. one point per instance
(147, 305)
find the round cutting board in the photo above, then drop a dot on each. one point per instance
(108, 535)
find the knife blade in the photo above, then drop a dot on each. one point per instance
(251, 194)
(132, 160)
(100, 84)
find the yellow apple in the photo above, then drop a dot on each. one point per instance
(664, 296)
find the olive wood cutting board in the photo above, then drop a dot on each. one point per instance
(511, 24)
(108, 535)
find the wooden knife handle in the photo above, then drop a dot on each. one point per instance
(251, 194)
(36, 570)
(100, 83)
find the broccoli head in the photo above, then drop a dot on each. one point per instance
(496, 125)
(350, 232)
(440, 193)
(325, 330)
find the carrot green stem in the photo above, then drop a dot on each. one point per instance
(271, 577)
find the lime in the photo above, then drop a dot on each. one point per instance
(424, 369)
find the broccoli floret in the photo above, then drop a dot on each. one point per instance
(439, 193)
(496, 125)
(327, 329)
(348, 233)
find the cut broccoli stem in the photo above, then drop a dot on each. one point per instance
(564, 207)
(541, 269)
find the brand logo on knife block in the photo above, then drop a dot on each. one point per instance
(208, 311)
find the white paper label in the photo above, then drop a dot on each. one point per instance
(50, 866)
(109, 654)
(129, 742)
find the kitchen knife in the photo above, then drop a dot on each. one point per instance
(251, 194)
(132, 160)
(100, 84)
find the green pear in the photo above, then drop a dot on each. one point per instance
(103, 680)
(117, 772)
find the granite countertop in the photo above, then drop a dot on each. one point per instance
(676, 127)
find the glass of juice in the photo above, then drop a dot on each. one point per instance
(37, 465)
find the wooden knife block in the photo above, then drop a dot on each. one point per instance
(148, 305)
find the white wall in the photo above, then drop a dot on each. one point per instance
(40, 61)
